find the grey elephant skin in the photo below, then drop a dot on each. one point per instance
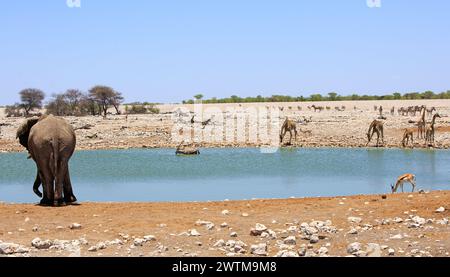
(51, 141)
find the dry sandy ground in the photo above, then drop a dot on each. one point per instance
(329, 128)
(400, 225)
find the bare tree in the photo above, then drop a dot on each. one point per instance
(31, 99)
(58, 106)
(73, 97)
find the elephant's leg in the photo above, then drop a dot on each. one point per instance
(47, 179)
(36, 185)
(69, 197)
(59, 179)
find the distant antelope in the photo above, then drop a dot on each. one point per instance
(299, 108)
(375, 127)
(375, 108)
(328, 108)
(392, 111)
(320, 108)
(408, 135)
(410, 178)
(288, 126)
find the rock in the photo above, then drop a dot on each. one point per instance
(75, 226)
(209, 225)
(398, 220)
(440, 210)
(292, 229)
(391, 252)
(373, 250)
(219, 243)
(138, 242)
(444, 221)
(287, 254)
(233, 234)
(41, 244)
(225, 212)
(259, 249)
(302, 251)
(59, 228)
(352, 231)
(419, 220)
(149, 238)
(198, 243)
(314, 239)
(322, 251)
(421, 191)
(114, 242)
(12, 248)
(27, 219)
(384, 247)
(272, 234)
(193, 233)
(354, 219)
(258, 230)
(291, 240)
(35, 229)
(360, 253)
(398, 236)
(245, 214)
(224, 225)
(354, 247)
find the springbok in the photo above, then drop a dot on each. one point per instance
(408, 177)
(375, 127)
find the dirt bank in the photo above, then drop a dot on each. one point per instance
(400, 225)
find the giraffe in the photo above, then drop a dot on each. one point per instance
(429, 132)
(375, 127)
(421, 124)
(288, 126)
(408, 177)
(407, 136)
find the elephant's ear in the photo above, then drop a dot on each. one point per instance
(24, 131)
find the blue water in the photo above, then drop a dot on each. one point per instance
(218, 174)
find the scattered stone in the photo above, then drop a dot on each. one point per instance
(209, 225)
(41, 244)
(193, 233)
(354, 247)
(258, 230)
(75, 226)
(225, 212)
(373, 250)
(287, 254)
(259, 249)
(219, 243)
(322, 251)
(440, 210)
(233, 234)
(224, 225)
(138, 242)
(354, 219)
(352, 231)
(149, 238)
(398, 220)
(291, 240)
(292, 229)
(35, 229)
(198, 243)
(391, 252)
(245, 214)
(59, 228)
(444, 221)
(313, 239)
(12, 248)
(398, 236)
(27, 219)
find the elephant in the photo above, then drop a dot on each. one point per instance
(50, 141)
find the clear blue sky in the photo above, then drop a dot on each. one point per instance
(167, 51)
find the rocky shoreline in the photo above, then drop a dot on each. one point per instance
(406, 224)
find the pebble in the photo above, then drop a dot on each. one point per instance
(291, 240)
(287, 254)
(35, 229)
(149, 238)
(41, 244)
(352, 231)
(138, 242)
(314, 239)
(233, 234)
(440, 210)
(224, 225)
(245, 214)
(354, 219)
(12, 248)
(391, 252)
(373, 250)
(322, 251)
(259, 249)
(258, 230)
(27, 219)
(75, 226)
(219, 243)
(354, 247)
(398, 236)
(193, 233)
(225, 212)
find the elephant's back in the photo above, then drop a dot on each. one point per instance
(52, 128)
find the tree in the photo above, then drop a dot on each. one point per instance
(31, 99)
(332, 96)
(13, 110)
(105, 97)
(73, 97)
(58, 106)
(198, 96)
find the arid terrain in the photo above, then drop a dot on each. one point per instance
(329, 128)
(404, 224)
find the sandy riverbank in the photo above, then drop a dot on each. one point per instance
(400, 225)
(329, 128)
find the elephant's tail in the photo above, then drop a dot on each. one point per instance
(54, 157)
